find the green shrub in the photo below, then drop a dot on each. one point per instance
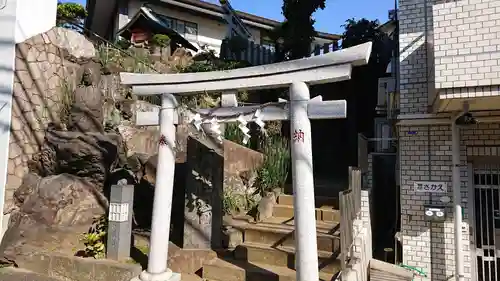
(95, 238)
(274, 170)
(123, 44)
(160, 40)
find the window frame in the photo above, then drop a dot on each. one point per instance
(184, 23)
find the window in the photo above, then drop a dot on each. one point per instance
(191, 28)
(182, 27)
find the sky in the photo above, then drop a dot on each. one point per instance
(328, 20)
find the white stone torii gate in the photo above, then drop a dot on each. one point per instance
(332, 67)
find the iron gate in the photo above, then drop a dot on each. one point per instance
(487, 222)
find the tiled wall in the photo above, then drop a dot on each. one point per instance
(466, 43)
(425, 154)
(450, 46)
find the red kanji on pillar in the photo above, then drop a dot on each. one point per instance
(298, 136)
(163, 140)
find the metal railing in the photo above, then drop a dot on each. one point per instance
(256, 54)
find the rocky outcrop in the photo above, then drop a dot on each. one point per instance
(47, 206)
(48, 66)
(60, 200)
(87, 155)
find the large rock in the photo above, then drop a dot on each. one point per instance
(139, 140)
(61, 200)
(87, 155)
(76, 46)
(51, 211)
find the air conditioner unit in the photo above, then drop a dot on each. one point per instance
(386, 85)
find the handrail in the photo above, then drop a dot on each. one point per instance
(414, 269)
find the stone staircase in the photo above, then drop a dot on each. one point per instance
(267, 251)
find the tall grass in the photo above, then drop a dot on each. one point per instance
(274, 170)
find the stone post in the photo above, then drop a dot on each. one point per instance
(120, 221)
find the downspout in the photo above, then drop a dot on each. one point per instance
(457, 198)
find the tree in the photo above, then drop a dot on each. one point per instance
(297, 32)
(363, 91)
(362, 31)
(68, 13)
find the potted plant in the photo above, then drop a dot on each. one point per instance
(158, 42)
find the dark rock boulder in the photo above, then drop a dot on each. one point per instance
(87, 155)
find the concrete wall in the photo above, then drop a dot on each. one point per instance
(358, 270)
(7, 55)
(34, 17)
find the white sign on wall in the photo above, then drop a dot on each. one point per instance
(430, 186)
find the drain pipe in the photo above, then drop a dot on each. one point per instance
(457, 199)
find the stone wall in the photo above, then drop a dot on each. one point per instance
(45, 64)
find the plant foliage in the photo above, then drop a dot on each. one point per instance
(68, 13)
(95, 238)
(274, 170)
(361, 31)
(160, 40)
(297, 32)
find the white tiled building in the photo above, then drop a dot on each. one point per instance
(450, 64)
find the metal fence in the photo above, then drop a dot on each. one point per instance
(256, 54)
(350, 208)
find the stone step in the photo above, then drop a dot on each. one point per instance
(234, 270)
(283, 256)
(321, 226)
(284, 235)
(18, 274)
(326, 214)
(321, 201)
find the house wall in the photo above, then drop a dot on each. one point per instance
(18, 24)
(210, 31)
(444, 47)
(34, 17)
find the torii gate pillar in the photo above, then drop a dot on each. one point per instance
(162, 206)
(303, 183)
